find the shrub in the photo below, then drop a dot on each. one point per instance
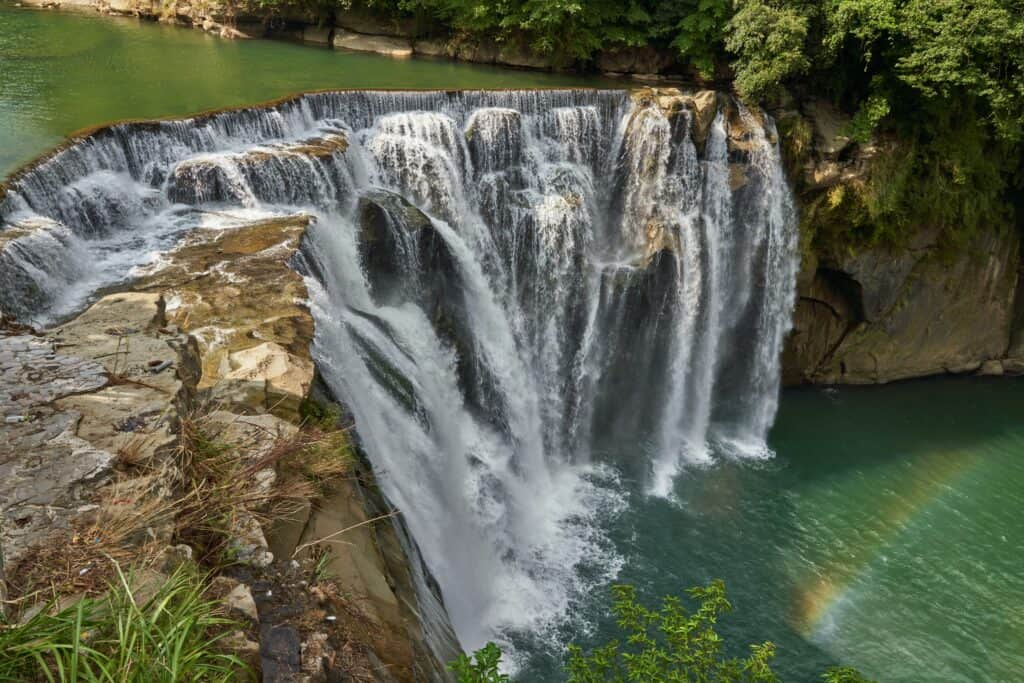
(669, 645)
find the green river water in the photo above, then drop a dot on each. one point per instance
(885, 534)
(60, 72)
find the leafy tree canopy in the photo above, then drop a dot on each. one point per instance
(668, 645)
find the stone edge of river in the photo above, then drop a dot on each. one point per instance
(359, 30)
(124, 376)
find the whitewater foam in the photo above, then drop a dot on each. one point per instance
(564, 266)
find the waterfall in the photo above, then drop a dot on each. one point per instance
(502, 283)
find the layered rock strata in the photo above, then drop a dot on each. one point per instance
(96, 403)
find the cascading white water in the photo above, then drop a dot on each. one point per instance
(500, 281)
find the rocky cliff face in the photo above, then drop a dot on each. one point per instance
(94, 413)
(879, 314)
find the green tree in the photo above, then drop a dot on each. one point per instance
(669, 645)
(695, 28)
(768, 41)
(481, 668)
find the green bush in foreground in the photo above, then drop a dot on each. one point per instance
(669, 645)
(173, 636)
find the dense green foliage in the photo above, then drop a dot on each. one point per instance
(481, 668)
(939, 82)
(174, 635)
(669, 645)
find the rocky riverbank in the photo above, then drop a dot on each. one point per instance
(107, 415)
(361, 30)
(869, 314)
(875, 314)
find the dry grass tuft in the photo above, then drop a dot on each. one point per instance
(222, 486)
(83, 560)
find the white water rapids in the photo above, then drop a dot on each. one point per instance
(499, 280)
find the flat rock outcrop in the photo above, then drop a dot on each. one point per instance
(76, 401)
(91, 418)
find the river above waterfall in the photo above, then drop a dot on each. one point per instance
(880, 530)
(60, 72)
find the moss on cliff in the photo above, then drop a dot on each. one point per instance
(953, 180)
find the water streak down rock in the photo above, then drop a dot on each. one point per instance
(559, 269)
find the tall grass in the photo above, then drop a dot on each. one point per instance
(121, 637)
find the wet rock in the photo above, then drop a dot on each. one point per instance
(472, 50)
(1013, 366)
(993, 368)
(214, 178)
(232, 33)
(432, 48)
(382, 45)
(398, 245)
(519, 54)
(33, 257)
(495, 139)
(705, 107)
(318, 35)
(702, 107)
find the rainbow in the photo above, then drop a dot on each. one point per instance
(815, 599)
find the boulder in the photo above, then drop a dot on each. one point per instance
(318, 35)
(236, 597)
(829, 127)
(383, 45)
(248, 545)
(359, 20)
(266, 377)
(519, 54)
(434, 47)
(394, 234)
